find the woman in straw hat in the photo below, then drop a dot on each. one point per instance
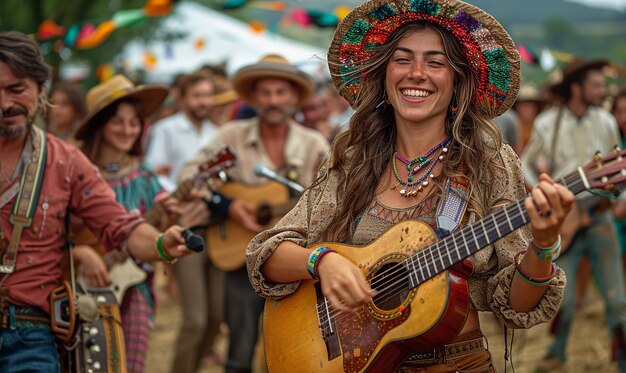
(426, 78)
(111, 134)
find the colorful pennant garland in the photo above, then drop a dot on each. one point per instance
(87, 35)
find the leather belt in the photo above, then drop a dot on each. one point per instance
(443, 354)
(23, 317)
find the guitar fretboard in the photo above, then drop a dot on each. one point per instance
(454, 248)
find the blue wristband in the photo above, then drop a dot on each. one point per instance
(547, 253)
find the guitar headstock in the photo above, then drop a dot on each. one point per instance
(606, 172)
(221, 160)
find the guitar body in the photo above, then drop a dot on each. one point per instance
(226, 241)
(123, 275)
(383, 333)
(123, 271)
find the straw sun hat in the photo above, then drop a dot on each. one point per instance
(487, 46)
(114, 89)
(272, 66)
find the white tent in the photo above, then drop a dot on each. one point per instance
(223, 39)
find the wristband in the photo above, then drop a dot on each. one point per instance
(547, 253)
(534, 281)
(314, 259)
(162, 254)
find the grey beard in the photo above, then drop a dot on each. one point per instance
(15, 133)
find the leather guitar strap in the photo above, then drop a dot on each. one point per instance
(27, 197)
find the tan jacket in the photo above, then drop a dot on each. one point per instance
(304, 150)
(490, 283)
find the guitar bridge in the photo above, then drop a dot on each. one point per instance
(327, 324)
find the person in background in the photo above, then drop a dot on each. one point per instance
(568, 135)
(418, 76)
(314, 115)
(223, 101)
(339, 110)
(111, 136)
(276, 90)
(528, 105)
(618, 109)
(508, 123)
(67, 109)
(174, 141)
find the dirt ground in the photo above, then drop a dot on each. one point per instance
(588, 349)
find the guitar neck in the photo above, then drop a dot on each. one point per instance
(157, 211)
(470, 239)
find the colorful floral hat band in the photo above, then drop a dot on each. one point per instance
(487, 46)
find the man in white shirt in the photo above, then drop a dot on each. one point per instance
(568, 136)
(177, 138)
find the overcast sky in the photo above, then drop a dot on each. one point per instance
(618, 4)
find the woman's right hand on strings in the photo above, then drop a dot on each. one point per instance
(93, 268)
(343, 283)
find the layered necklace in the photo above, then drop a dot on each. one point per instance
(423, 165)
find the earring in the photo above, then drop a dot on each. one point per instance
(384, 101)
(454, 106)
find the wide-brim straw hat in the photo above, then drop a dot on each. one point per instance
(272, 66)
(487, 46)
(117, 88)
(574, 69)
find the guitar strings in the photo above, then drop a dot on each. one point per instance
(440, 255)
(489, 225)
(421, 255)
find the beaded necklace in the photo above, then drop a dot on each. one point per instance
(412, 187)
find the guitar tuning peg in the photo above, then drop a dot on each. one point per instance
(597, 156)
(616, 148)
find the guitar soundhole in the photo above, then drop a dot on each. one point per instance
(391, 282)
(264, 214)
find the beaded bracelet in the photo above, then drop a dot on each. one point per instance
(314, 259)
(161, 251)
(547, 253)
(534, 281)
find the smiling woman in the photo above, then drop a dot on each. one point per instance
(421, 158)
(111, 135)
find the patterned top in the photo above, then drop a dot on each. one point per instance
(489, 284)
(137, 189)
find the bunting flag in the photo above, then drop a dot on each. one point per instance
(48, 29)
(527, 55)
(233, 4)
(300, 16)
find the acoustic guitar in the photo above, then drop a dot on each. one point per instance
(422, 295)
(123, 271)
(226, 241)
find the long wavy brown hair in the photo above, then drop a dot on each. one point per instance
(360, 154)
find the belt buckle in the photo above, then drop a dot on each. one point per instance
(427, 357)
